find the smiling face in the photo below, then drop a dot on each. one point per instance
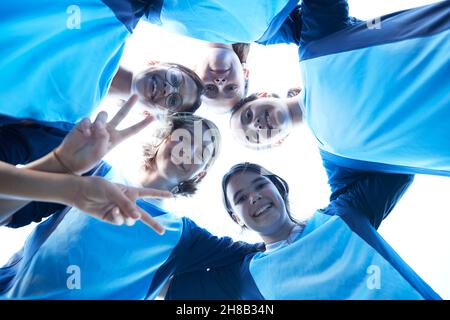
(256, 202)
(224, 78)
(262, 121)
(182, 157)
(166, 87)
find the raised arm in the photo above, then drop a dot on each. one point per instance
(198, 250)
(373, 194)
(312, 20)
(58, 172)
(323, 17)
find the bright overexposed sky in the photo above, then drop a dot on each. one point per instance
(417, 228)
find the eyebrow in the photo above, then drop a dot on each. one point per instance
(236, 195)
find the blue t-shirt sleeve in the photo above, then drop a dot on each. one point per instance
(372, 194)
(290, 30)
(312, 20)
(198, 249)
(323, 17)
(33, 212)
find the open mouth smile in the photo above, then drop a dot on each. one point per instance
(152, 89)
(262, 210)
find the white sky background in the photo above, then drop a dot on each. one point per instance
(417, 228)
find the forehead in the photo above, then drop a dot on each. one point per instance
(158, 68)
(243, 180)
(255, 105)
(205, 138)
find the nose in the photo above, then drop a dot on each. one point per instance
(254, 197)
(259, 123)
(220, 81)
(169, 89)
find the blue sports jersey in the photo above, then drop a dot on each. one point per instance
(75, 256)
(59, 57)
(339, 254)
(227, 21)
(376, 94)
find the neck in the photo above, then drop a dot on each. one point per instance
(151, 179)
(281, 234)
(121, 83)
(295, 109)
(220, 45)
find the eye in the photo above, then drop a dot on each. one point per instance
(174, 101)
(241, 198)
(211, 91)
(261, 186)
(231, 87)
(174, 76)
(247, 116)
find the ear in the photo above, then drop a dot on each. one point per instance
(264, 94)
(153, 62)
(279, 142)
(237, 220)
(246, 71)
(147, 113)
(201, 175)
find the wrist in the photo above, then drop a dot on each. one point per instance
(64, 165)
(69, 189)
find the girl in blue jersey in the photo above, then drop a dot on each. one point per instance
(365, 113)
(336, 254)
(74, 256)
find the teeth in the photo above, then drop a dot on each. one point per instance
(261, 210)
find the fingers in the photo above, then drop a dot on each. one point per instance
(152, 193)
(126, 133)
(130, 222)
(85, 127)
(126, 212)
(100, 120)
(123, 111)
(114, 216)
(151, 222)
(126, 206)
(100, 132)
